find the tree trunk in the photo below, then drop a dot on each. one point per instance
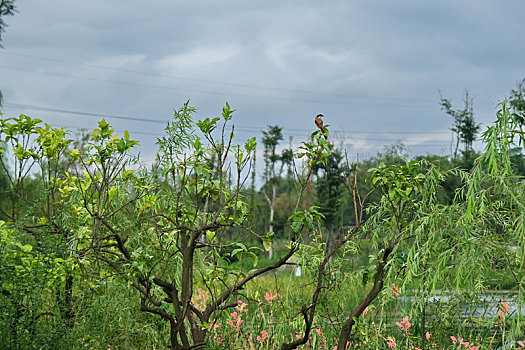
(67, 302)
(374, 292)
(271, 205)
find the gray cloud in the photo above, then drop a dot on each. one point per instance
(372, 66)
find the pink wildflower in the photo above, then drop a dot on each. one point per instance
(366, 310)
(264, 336)
(504, 306)
(522, 344)
(454, 340)
(391, 341)
(405, 326)
(427, 335)
(270, 297)
(464, 343)
(394, 290)
(240, 306)
(238, 322)
(475, 347)
(503, 309)
(201, 298)
(319, 331)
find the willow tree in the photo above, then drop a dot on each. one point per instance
(422, 245)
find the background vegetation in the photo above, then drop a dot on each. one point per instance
(331, 251)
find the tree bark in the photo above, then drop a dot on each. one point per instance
(374, 292)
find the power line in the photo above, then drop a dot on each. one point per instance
(238, 127)
(273, 97)
(132, 132)
(418, 143)
(88, 114)
(221, 83)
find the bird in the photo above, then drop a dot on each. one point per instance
(319, 123)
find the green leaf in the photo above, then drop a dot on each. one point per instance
(121, 146)
(251, 256)
(267, 243)
(75, 154)
(391, 193)
(235, 252)
(210, 235)
(297, 221)
(26, 248)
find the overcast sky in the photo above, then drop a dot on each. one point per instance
(373, 68)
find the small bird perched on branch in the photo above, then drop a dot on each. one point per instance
(319, 123)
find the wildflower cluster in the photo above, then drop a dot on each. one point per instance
(503, 309)
(200, 299)
(262, 332)
(263, 337)
(269, 297)
(404, 325)
(464, 344)
(391, 342)
(394, 291)
(237, 320)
